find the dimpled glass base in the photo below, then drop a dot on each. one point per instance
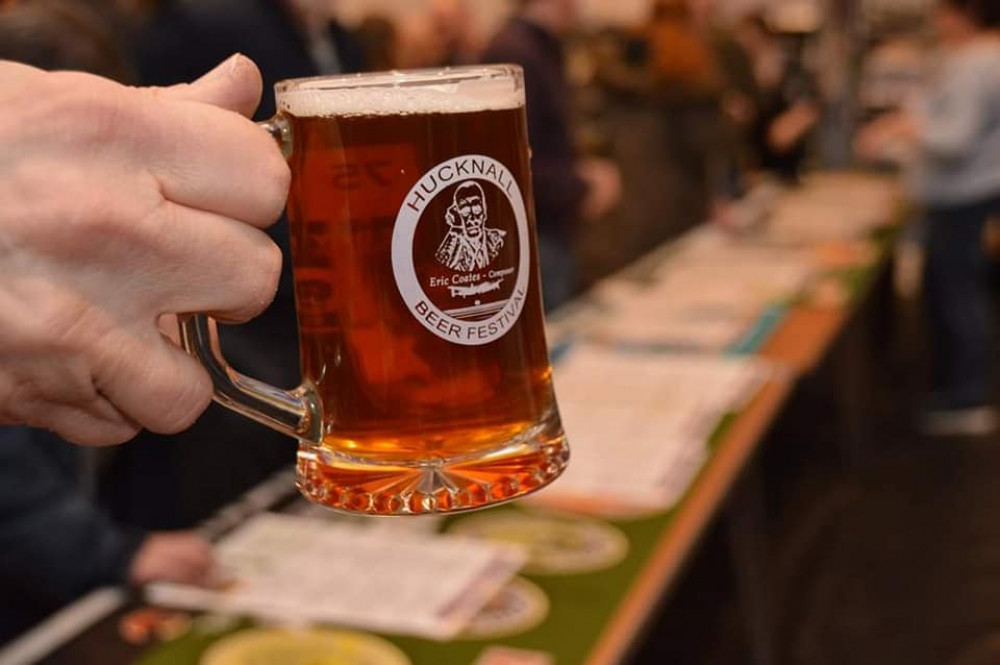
(360, 485)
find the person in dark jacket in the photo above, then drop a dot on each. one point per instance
(788, 101)
(953, 131)
(57, 544)
(286, 38)
(566, 189)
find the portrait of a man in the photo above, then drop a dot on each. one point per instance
(470, 245)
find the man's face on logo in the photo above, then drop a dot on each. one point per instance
(471, 208)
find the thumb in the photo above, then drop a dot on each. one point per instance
(234, 85)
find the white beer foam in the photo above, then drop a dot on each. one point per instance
(319, 99)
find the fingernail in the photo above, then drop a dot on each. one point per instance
(235, 62)
(223, 70)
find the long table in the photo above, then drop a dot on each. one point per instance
(595, 619)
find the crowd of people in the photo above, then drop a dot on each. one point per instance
(123, 154)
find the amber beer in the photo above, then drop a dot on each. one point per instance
(413, 237)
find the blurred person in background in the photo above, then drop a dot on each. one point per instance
(680, 56)
(694, 62)
(380, 42)
(737, 102)
(788, 106)
(567, 189)
(698, 82)
(444, 35)
(955, 131)
(456, 32)
(56, 542)
(687, 81)
(419, 47)
(38, 33)
(286, 38)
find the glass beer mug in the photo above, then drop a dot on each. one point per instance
(426, 386)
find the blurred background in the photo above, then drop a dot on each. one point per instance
(839, 156)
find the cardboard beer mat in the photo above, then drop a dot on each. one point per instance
(519, 607)
(307, 647)
(556, 544)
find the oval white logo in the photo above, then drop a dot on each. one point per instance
(461, 250)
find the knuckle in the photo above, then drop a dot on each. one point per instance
(270, 269)
(66, 324)
(155, 226)
(266, 276)
(161, 94)
(80, 211)
(189, 398)
(277, 178)
(113, 434)
(92, 112)
(87, 426)
(98, 220)
(261, 270)
(16, 407)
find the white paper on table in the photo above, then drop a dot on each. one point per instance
(648, 320)
(833, 207)
(750, 275)
(639, 423)
(706, 298)
(304, 570)
(618, 457)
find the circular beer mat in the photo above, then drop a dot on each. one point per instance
(519, 607)
(307, 647)
(556, 544)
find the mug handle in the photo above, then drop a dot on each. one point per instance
(297, 413)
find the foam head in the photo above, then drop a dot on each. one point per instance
(404, 93)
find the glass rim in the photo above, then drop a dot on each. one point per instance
(402, 78)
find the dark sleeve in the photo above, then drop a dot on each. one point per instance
(349, 49)
(736, 66)
(174, 47)
(801, 85)
(55, 545)
(559, 190)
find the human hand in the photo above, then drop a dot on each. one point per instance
(877, 140)
(183, 557)
(604, 187)
(117, 206)
(452, 218)
(792, 126)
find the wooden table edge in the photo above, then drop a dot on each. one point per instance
(693, 517)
